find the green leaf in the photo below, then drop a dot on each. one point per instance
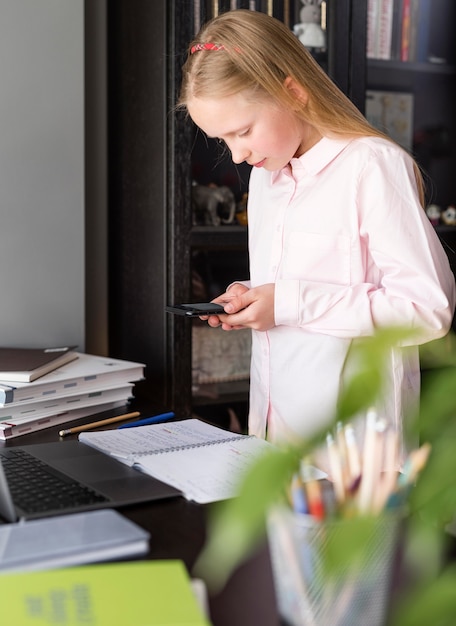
(432, 604)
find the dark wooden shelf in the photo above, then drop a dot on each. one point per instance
(445, 228)
(221, 393)
(219, 237)
(410, 66)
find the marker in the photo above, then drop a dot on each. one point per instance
(298, 496)
(313, 493)
(163, 417)
(314, 499)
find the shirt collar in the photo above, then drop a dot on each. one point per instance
(315, 159)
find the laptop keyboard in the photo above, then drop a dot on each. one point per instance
(36, 487)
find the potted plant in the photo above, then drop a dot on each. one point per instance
(237, 526)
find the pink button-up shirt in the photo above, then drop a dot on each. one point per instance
(341, 233)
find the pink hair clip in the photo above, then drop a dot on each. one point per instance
(206, 46)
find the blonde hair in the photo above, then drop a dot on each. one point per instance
(258, 53)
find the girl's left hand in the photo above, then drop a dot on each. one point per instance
(252, 309)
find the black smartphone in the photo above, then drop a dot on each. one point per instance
(196, 309)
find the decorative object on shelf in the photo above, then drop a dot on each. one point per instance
(219, 356)
(212, 205)
(309, 31)
(241, 211)
(392, 112)
(433, 212)
(449, 215)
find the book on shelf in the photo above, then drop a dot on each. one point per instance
(87, 372)
(205, 462)
(28, 364)
(68, 540)
(137, 592)
(422, 50)
(399, 30)
(406, 30)
(379, 28)
(8, 430)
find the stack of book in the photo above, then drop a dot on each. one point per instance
(400, 30)
(42, 388)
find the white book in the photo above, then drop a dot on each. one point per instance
(373, 10)
(8, 430)
(14, 414)
(87, 372)
(203, 461)
(385, 30)
(69, 540)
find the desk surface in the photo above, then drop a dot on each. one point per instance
(177, 530)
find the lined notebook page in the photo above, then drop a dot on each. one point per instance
(156, 438)
(206, 474)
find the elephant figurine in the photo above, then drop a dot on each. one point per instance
(212, 205)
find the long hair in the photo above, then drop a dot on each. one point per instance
(256, 54)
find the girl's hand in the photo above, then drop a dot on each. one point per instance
(235, 290)
(246, 308)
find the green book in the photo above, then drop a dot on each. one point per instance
(137, 593)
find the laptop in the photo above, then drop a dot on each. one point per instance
(39, 480)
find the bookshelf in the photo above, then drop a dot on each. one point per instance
(154, 246)
(428, 75)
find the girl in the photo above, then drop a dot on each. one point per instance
(339, 242)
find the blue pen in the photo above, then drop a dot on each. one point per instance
(163, 417)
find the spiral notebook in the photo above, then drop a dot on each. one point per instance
(203, 461)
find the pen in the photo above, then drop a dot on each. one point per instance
(109, 420)
(163, 417)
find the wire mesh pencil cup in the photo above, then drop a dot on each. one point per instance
(306, 596)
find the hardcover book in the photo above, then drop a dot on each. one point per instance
(139, 592)
(87, 372)
(27, 364)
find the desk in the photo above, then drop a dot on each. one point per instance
(177, 530)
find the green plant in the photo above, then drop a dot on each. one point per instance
(237, 526)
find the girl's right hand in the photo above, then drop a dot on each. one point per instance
(235, 290)
(247, 308)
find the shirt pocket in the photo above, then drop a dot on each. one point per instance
(317, 257)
